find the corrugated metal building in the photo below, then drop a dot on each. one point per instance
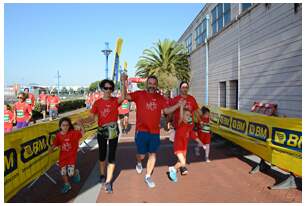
(254, 54)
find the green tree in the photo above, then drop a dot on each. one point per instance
(168, 60)
(64, 90)
(71, 91)
(94, 86)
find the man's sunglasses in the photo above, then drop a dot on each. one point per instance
(108, 88)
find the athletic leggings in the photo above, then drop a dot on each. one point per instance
(112, 147)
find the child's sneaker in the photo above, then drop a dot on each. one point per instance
(66, 187)
(172, 174)
(197, 151)
(76, 178)
(207, 160)
(183, 170)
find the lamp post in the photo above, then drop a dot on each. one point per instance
(106, 52)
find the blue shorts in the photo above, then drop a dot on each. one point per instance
(147, 142)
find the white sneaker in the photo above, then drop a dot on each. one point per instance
(139, 168)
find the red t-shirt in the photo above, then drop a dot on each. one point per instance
(191, 105)
(69, 144)
(53, 102)
(30, 100)
(107, 110)
(124, 108)
(43, 98)
(149, 107)
(204, 130)
(8, 119)
(183, 133)
(22, 110)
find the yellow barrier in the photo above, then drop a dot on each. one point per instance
(276, 140)
(26, 153)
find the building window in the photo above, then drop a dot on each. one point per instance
(221, 16)
(201, 32)
(188, 43)
(222, 94)
(245, 6)
(227, 13)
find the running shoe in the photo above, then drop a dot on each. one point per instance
(149, 182)
(76, 178)
(66, 187)
(183, 170)
(108, 188)
(172, 174)
(139, 168)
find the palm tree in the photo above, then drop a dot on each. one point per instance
(168, 59)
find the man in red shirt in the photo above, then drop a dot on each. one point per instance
(191, 104)
(52, 105)
(43, 103)
(30, 98)
(22, 112)
(149, 107)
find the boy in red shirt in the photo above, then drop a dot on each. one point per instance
(67, 139)
(22, 112)
(30, 98)
(204, 133)
(52, 105)
(8, 118)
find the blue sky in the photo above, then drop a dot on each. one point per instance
(40, 39)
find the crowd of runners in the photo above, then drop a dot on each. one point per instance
(182, 112)
(20, 113)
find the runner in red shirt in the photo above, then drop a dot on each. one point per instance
(204, 133)
(184, 131)
(149, 107)
(52, 105)
(105, 110)
(191, 103)
(43, 97)
(22, 112)
(30, 98)
(68, 142)
(8, 118)
(124, 110)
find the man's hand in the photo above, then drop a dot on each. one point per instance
(124, 77)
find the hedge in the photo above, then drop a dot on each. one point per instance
(65, 106)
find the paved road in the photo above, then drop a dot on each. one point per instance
(225, 179)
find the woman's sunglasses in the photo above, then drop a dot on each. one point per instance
(19, 97)
(108, 88)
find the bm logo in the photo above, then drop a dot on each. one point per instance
(10, 161)
(34, 148)
(287, 138)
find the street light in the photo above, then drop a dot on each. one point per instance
(106, 52)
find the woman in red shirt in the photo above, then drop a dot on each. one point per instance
(105, 110)
(22, 112)
(8, 118)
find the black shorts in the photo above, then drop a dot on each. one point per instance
(121, 116)
(43, 107)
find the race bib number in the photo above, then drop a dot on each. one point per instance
(20, 113)
(205, 129)
(6, 118)
(125, 106)
(52, 105)
(28, 101)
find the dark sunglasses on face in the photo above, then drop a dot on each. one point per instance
(19, 97)
(107, 88)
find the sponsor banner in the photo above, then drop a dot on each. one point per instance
(26, 153)
(277, 140)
